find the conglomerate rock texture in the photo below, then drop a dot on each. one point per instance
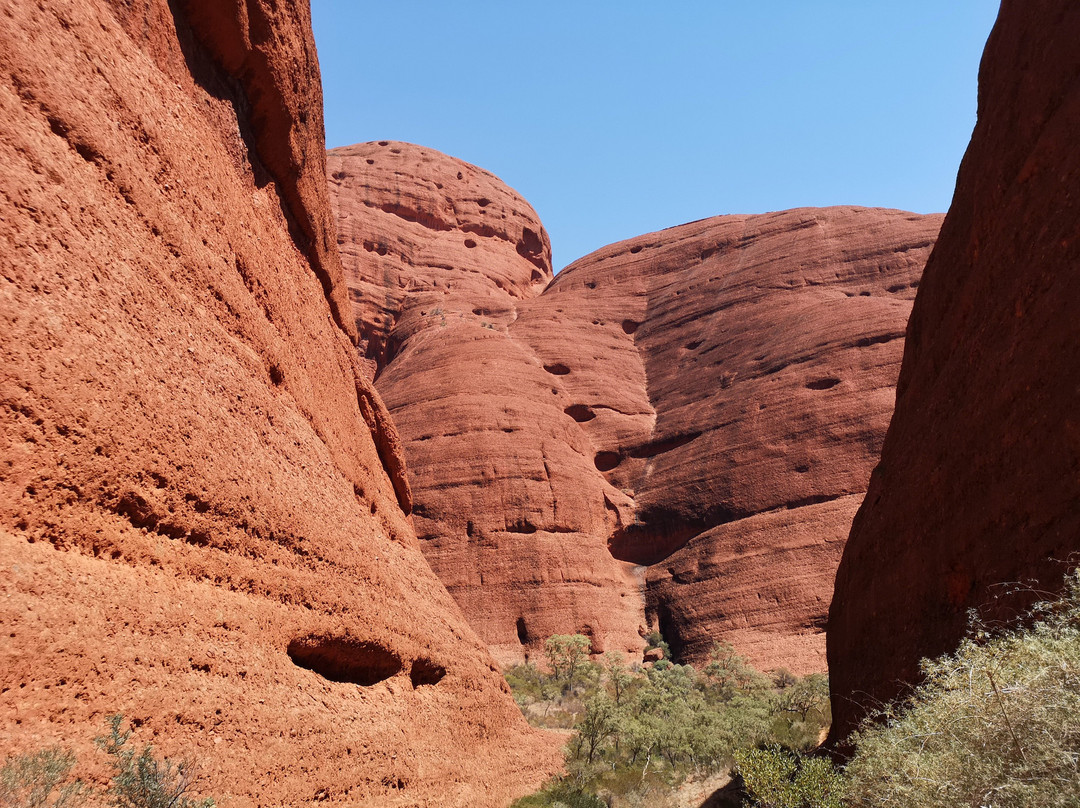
(202, 498)
(674, 433)
(976, 501)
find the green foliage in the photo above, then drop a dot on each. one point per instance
(41, 780)
(560, 793)
(654, 639)
(565, 655)
(776, 778)
(141, 780)
(641, 732)
(730, 674)
(995, 723)
(529, 684)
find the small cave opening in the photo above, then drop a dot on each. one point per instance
(580, 413)
(522, 631)
(822, 384)
(425, 672)
(557, 369)
(630, 326)
(343, 659)
(606, 461)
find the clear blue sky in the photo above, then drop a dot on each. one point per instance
(618, 118)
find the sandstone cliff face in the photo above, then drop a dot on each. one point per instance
(201, 495)
(675, 432)
(977, 496)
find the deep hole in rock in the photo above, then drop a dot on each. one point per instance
(343, 659)
(522, 525)
(470, 243)
(822, 384)
(557, 368)
(426, 672)
(635, 249)
(580, 413)
(522, 631)
(606, 461)
(630, 326)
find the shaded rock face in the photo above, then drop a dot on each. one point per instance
(976, 501)
(201, 495)
(674, 432)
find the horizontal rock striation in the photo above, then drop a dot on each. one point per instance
(602, 452)
(201, 495)
(976, 501)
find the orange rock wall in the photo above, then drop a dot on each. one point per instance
(674, 432)
(976, 501)
(201, 495)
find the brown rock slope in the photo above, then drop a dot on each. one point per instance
(676, 431)
(199, 525)
(977, 489)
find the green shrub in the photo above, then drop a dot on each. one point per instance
(566, 654)
(41, 780)
(141, 780)
(776, 778)
(640, 733)
(654, 639)
(996, 723)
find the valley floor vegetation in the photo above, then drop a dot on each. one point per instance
(995, 724)
(642, 735)
(44, 779)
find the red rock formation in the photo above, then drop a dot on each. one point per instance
(977, 490)
(199, 496)
(707, 398)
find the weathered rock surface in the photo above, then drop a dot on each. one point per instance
(598, 454)
(201, 495)
(976, 501)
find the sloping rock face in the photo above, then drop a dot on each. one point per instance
(202, 498)
(976, 501)
(674, 433)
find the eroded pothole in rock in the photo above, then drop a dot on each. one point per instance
(343, 659)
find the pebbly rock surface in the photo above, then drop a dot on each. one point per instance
(673, 433)
(202, 497)
(976, 501)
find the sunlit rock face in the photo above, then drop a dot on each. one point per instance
(976, 502)
(202, 497)
(673, 433)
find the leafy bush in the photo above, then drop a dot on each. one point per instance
(995, 723)
(140, 780)
(776, 778)
(566, 655)
(641, 732)
(143, 781)
(41, 780)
